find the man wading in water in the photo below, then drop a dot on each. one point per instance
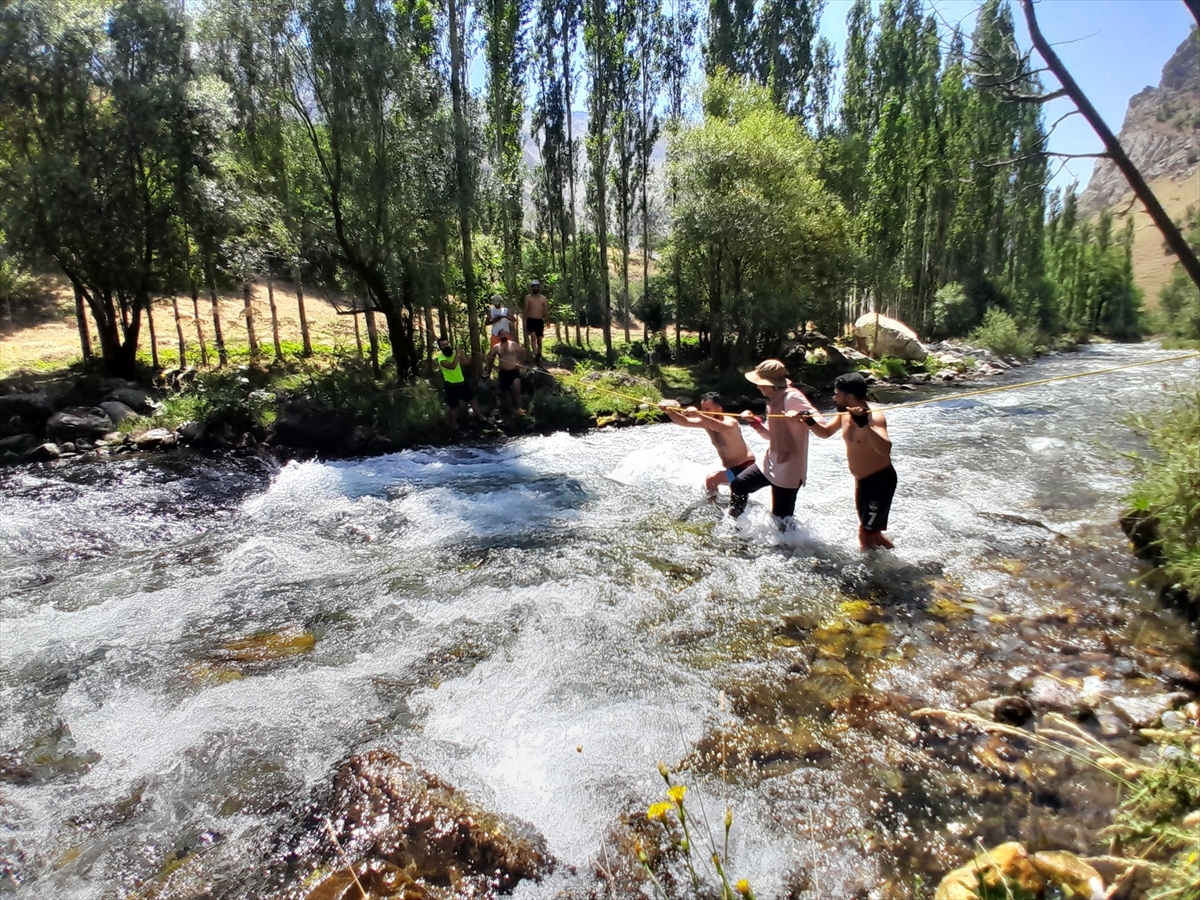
(534, 311)
(509, 355)
(785, 464)
(869, 454)
(725, 434)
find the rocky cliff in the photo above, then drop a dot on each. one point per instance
(1161, 132)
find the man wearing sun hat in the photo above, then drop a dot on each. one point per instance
(785, 464)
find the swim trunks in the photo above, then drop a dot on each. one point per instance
(873, 498)
(535, 326)
(458, 392)
(733, 471)
(507, 377)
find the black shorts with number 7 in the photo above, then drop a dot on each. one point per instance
(873, 499)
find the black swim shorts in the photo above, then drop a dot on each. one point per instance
(535, 326)
(458, 392)
(873, 499)
(507, 377)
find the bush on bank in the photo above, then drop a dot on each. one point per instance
(1167, 490)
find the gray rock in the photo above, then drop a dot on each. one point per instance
(1096, 690)
(79, 422)
(155, 438)
(1144, 712)
(68, 447)
(305, 424)
(1050, 694)
(117, 411)
(190, 432)
(25, 412)
(18, 443)
(1111, 725)
(42, 453)
(1173, 721)
(135, 398)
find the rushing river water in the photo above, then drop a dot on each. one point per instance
(540, 622)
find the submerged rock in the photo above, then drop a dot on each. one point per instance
(79, 422)
(411, 833)
(1006, 866)
(1144, 712)
(1052, 694)
(1008, 710)
(1068, 872)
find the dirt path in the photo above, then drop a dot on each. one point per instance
(50, 337)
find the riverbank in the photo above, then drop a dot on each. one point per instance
(335, 407)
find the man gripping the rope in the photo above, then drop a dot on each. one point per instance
(785, 464)
(725, 433)
(869, 454)
(509, 354)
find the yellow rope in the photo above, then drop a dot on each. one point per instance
(912, 403)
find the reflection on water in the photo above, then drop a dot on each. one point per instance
(189, 646)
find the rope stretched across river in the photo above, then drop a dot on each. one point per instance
(991, 390)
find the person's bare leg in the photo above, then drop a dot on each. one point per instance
(517, 396)
(873, 540)
(715, 480)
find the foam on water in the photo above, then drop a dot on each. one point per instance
(538, 622)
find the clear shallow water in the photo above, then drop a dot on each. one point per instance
(540, 623)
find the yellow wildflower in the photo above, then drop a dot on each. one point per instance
(675, 792)
(658, 811)
(743, 887)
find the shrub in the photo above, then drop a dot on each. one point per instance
(953, 311)
(891, 368)
(999, 333)
(1168, 488)
(554, 410)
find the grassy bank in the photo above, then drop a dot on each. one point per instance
(1166, 495)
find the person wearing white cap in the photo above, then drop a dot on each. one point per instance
(785, 464)
(534, 312)
(498, 318)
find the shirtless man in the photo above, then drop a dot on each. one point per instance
(508, 353)
(534, 311)
(724, 432)
(869, 453)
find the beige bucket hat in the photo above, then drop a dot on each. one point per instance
(769, 372)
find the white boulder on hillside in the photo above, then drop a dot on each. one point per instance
(882, 336)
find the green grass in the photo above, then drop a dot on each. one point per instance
(1168, 488)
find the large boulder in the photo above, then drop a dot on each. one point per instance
(23, 413)
(79, 422)
(408, 829)
(882, 336)
(303, 423)
(1003, 871)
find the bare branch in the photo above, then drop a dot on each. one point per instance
(1033, 98)
(1116, 153)
(1041, 154)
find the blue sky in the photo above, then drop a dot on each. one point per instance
(1113, 48)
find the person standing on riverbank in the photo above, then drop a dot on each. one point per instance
(458, 392)
(498, 318)
(534, 313)
(509, 355)
(724, 432)
(869, 455)
(785, 464)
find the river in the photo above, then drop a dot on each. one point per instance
(540, 622)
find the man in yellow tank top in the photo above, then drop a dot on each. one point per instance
(458, 392)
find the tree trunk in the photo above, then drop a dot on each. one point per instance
(85, 339)
(373, 338)
(249, 313)
(274, 316)
(218, 334)
(462, 167)
(153, 336)
(199, 324)
(179, 331)
(305, 338)
(357, 337)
